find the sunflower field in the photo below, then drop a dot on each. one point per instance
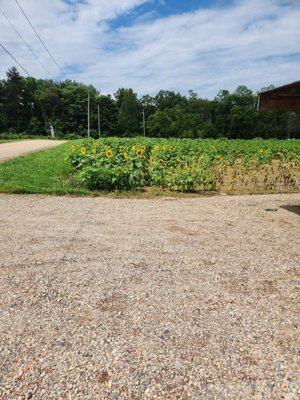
(234, 166)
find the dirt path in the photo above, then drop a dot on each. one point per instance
(15, 149)
(149, 299)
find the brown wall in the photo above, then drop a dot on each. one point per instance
(286, 98)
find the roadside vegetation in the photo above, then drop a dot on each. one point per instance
(156, 166)
(29, 106)
(41, 172)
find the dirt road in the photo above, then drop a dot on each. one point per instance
(149, 299)
(15, 149)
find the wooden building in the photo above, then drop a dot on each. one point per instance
(283, 98)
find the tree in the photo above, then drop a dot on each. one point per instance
(129, 112)
(108, 115)
(74, 99)
(168, 99)
(30, 105)
(48, 105)
(242, 122)
(3, 115)
(16, 109)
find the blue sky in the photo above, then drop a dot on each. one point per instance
(156, 9)
(204, 45)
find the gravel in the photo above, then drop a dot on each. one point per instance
(149, 299)
(15, 149)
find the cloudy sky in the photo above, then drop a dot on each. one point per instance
(204, 45)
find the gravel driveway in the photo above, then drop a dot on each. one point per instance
(149, 299)
(16, 149)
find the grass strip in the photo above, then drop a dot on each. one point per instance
(8, 140)
(45, 172)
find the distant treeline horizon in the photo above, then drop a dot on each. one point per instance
(29, 106)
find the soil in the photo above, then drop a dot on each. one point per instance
(167, 298)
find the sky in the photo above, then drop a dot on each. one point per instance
(149, 45)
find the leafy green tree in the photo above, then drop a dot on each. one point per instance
(29, 105)
(48, 102)
(159, 123)
(108, 115)
(242, 122)
(168, 99)
(129, 112)
(74, 100)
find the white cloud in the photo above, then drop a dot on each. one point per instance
(249, 42)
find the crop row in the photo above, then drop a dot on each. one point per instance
(184, 165)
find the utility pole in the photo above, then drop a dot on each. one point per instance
(144, 126)
(88, 115)
(99, 122)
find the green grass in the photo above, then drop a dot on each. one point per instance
(49, 172)
(41, 172)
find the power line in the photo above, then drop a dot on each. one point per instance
(26, 44)
(8, 52)
(40, 39)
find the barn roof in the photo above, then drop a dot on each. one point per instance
(282, 98)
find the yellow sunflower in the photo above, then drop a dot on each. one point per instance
(143, 158)
(133, 148)
(161, 161)
(83, 150)
(143, 148)
(172, 148)
(125, 156)
(109, 153)
(139, 152)
(164, 147)
(122, 148)
(156, 148)
(94, 151)
(73, 148)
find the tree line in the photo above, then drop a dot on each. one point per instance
(29, 106)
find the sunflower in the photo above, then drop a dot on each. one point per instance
(156, 148)
(143, 158)
(133, 148)
(125, 155)
(109, 153)
(73, 148)
(143, 148)
(164, 147)
(172, 148)
(152, 151)
(83, 150)
(139, 152)
(122, 148)
(94, 151)
(161, 161)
